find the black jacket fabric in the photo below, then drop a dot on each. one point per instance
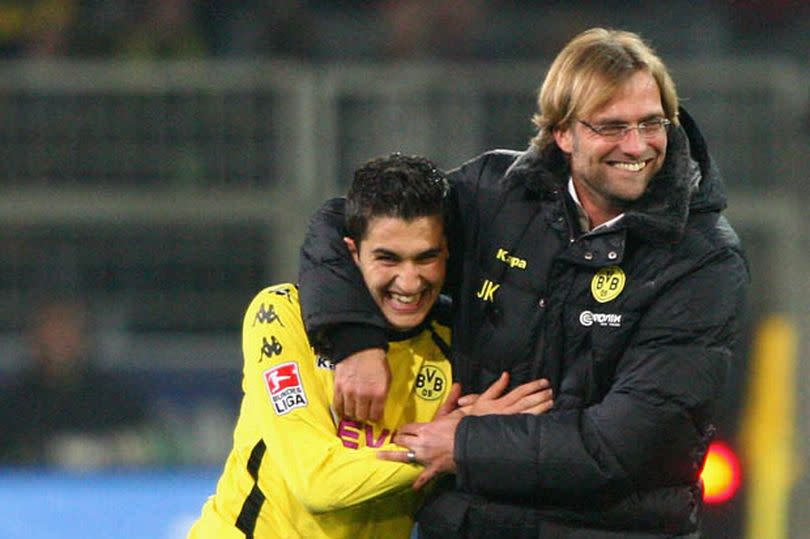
(634, 325)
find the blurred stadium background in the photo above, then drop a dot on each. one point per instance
(159, 160)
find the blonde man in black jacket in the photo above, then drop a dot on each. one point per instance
(599, 259)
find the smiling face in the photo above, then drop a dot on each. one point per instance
(609, 174)
(403, 265)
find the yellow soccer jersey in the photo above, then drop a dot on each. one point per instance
(296, 470)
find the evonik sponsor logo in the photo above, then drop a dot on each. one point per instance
(588, 318)
(353, 434)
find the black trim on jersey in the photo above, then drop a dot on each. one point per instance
(246, 521)
(255, 459)
(394, 335)
(437, 339)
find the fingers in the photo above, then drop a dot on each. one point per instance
(452, 400)
(393, 456)
(538, 402)
(523, 390)
(338, 404)
(362, 405)
(427, 474)
(498, 386)
(406, 433)
(371, 404)
(376, 408)
(348, 403)
(531, 397)
(541, 408)
(466, 410)
(468, 400)
(361, 385)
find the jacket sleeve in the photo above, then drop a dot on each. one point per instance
(648, 431)
(287, 396)
(339, 313)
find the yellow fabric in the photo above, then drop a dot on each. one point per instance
(768, 428)
(320, 476)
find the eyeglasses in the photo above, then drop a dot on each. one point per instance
(615, 132)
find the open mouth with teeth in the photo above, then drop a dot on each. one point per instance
(634, 166)
(406, 302)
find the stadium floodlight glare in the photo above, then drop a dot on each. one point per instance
(721, 474)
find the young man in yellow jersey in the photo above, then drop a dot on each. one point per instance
(296, 468)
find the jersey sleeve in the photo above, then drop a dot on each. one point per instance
(287, 391)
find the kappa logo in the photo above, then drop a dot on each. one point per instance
(267, 315)
(608, 283)
(285, 388)
(588, 318)
(430, 383)
(271, 348)
(324, 363)
(513, 261)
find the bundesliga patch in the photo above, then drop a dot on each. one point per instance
(285, 388)
(607, 284)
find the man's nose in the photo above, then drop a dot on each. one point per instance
(633, 142)
(409, 278)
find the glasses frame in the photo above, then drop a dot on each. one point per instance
(658, 126)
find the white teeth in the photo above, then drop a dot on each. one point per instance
(632, 167)
(405, 299)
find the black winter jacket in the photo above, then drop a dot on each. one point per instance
(634, 325)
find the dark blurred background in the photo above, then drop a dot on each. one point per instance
(159, 160)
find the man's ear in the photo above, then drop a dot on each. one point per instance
(563, 138)
(352, 249)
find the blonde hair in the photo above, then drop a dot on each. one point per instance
(586, 74)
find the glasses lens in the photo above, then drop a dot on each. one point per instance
(649, 129)
(652, 128)
(611, 130)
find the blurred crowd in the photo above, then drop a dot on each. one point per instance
(62, 408)
(66, 407)
(380, 29)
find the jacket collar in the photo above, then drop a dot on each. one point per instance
(688, 182)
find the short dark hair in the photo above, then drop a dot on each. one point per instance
(401, 186)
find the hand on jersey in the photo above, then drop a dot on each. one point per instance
(432, 444)
(362, 381)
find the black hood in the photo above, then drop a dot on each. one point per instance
(688, 182)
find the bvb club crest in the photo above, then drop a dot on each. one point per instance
(607, 284)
